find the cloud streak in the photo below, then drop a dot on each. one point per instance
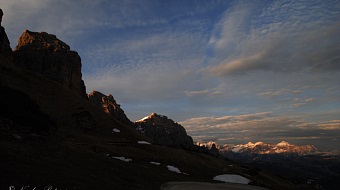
(262, 127)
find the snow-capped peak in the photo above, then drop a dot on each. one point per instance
(152, 115)
(263, 148)
(143, 119)
(259, 143)
(249, 144)
(283, 144)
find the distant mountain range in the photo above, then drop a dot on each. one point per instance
(299, 164)
(262, 148)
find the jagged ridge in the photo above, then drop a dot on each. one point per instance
(164, 131)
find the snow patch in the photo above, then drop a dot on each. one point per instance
(259, 143)
(123, 159)
(115, 130)
(231, 178)
(155, 163)
(173, 169)
(143, 142)
(283, 143)
(280, 151)
(236, 149)
(143, 119)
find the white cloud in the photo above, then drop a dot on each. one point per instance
(310, 99)
(274, 93)
(206, 92)
(296, 91)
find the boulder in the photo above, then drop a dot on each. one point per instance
(45, 54)
(109, 105)
(165, 131)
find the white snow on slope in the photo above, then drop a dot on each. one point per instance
(231, 178)
(155, 163)
(143, 119)
(123, 159)
(173, 169)
(283, 144)
(115, 130)
(143, 142)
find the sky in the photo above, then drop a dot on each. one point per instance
(228, 71)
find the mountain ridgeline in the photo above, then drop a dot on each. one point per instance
(53, 133)
(46, 55)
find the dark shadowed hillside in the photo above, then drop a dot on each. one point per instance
(52, 136)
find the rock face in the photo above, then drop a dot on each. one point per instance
(164, 131)
(45, 54)
(109, 106)
(211, 148)
(5, 48)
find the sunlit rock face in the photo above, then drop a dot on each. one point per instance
(164, 131)
(45, 54)
(263, 148)
(109, 105)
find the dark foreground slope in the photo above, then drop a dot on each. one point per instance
(50, 136)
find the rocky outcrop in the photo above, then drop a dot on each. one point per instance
(109, 106)
(45, 54)
(164, 131)
(5, 48)
(211, 148)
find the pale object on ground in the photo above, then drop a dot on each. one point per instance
(143, 142)
(123, 159)
(115, 130)
(155, 163)
(173, 169)
(232, 178)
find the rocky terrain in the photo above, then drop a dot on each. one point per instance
(109, 105)
(54, 137)
(45, 54)
(164, 131)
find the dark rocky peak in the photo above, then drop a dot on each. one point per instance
(109, 105)
(5, 48)
(164, 131)
(45, 54)
(41, 40)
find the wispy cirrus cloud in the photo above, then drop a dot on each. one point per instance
(272, 44)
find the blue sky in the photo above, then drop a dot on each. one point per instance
(228, 71)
